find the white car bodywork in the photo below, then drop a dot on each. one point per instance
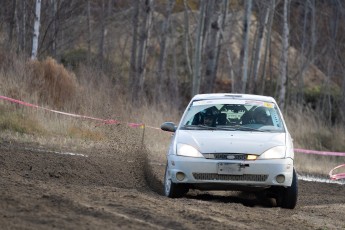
(231, 156)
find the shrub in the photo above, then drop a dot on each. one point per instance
(52, 83)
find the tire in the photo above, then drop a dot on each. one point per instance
(289, 195)
(172, 189)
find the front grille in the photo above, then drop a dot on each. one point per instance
(223, 177)
(225, 156)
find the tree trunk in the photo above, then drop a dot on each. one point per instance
(231, 71)
(209, 10)
(133, 61)
(342, 110)
(187, 40)
(257, 59)
(12, 22)
(23, 25)
(302, 55)
(332, 52)
(174, 89)
(54, 30)
(224, 14)
(161, 71)
(313, 31)
(284, 58)
(102, 36)
(143, 41)
(212, 46)
(240, 84)
(268, 45)
(89, 35)
(198, 50)
(36, 30)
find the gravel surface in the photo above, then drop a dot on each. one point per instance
(107, 188)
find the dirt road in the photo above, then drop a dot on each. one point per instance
(103, 188)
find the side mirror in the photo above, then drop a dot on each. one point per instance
(169, 126)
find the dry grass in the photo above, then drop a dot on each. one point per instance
(89, 92)
(309, 131)
(317, 164)
(51, 82)
(17, 120)
(48, 84)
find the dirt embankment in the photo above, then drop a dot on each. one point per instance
(41, 188)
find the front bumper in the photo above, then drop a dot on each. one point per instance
(258, 173)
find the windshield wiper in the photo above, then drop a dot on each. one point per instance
(271, 130)
(237, 127)
(229, 128)
(242, 128)
(203, 127)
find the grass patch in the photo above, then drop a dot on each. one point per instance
(19, 122)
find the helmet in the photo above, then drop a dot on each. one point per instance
(260, 115)
(208, 118)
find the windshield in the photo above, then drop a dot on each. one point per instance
(233, 114)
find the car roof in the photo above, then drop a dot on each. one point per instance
(211, 96)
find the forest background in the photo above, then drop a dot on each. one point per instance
(142, 61)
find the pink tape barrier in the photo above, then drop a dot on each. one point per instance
(320, 152)
(337, 176)
(325, 153)
(135, 125)
(104, 121)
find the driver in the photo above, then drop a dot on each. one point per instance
(208, 120)
(260, 116)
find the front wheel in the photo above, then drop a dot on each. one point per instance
(172, 189)
(289, 195)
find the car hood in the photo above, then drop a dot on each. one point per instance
(230, 141)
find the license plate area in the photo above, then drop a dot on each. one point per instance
(230, 168)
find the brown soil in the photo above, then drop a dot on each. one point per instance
(43, 189)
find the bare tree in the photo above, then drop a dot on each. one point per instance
(307, 46)
(89, 31)
(268, 44)
(102, 35)
(173, 84)
(212, 45)
(161, 71)
(106, 9)
(36, 30)
(139, 46)
(263, 19)
(147, 11)
(241, 79)
(57, 27)
(54, 30)
(343, 99)
(332, 53)
(21, 26)
(133, 60)
(313, 31)
(187, 39)
(12, 22)
(231, 70)
(223, 18)
(198, 49)
(303, 58)
(284, 57)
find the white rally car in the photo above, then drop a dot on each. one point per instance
(232, 142)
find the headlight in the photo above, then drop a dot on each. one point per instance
(187, 151)
(277, 152)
